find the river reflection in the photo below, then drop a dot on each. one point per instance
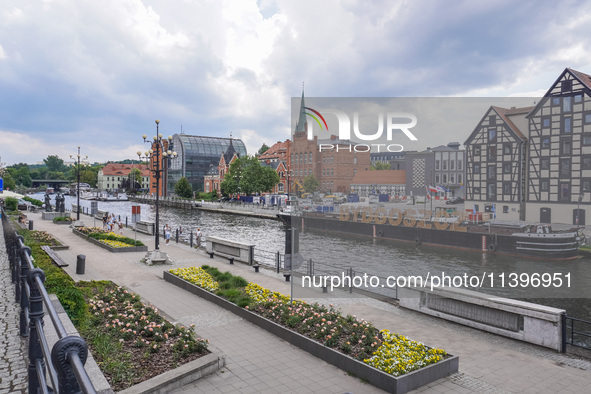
(384, 258)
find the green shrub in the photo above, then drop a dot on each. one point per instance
(33, 201)
(10, 203)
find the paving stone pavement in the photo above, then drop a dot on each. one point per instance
(13, 367)
(260, 362)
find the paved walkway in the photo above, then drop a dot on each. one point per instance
(259, 362)
(13, 368)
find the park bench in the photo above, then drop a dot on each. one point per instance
(52, 255)
(231, 250)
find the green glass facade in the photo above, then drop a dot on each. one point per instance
(195, 155)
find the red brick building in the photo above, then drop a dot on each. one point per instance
(215, 176)
(334, 168)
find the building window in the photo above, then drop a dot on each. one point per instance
(354, 159)
(492, 152)
(460, 178)
(452, 164)
(507, 168)
(507, 148)
(578, 98)
(566, 86)
(567, 125)
(507, 188)
(437, 178)
(505, 208)
(452, 178)
(491, 192)
(460, 164)
(565, 167)
(477, 191)
(331, 159)
(565, 146)
(476, 150)
(444, 164)
(586, 162)
(476, 168)
(492, 120)
(436, 164)
(444, 178)
(491, 172)
(565, 191)
(492, 135)
(545, 121)
(586, 184)
(545, 142)
(544, 185)
(545, 163)
(555, 101)
(587, 117)
(567, 104)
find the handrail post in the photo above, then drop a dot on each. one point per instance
(277, 258)
(35, 325)
(24, 298)
(60, 357)
(563, 332)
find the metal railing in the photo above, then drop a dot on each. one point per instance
(575, 332)
(65, 361)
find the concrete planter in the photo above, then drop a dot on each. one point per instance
(382, 380)
(110, 249)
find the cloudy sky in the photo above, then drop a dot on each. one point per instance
(98, 73)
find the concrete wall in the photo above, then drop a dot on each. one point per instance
(533, 323)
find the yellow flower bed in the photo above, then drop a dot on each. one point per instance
(197, 276)
(399, 355)
(260, 294)
(115, 244)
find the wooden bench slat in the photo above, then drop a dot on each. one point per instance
(52, 255)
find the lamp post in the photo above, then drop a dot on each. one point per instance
(156, 157)
(581, 196)
(78, 181)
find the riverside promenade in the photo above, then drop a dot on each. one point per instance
(258, 362)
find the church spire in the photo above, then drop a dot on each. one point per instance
(302, 124)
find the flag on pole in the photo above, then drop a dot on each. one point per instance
(440, 189)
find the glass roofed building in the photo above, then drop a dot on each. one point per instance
(195, 154)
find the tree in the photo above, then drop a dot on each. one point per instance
(89, 175)
(9, 183)
(54, 163)
(257, 178)
(246, 175)
(311, 184)
(262, 150)
(183, 188)
(134, 179)
(378, 165)
(20, 174)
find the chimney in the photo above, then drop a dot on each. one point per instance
(333, 137)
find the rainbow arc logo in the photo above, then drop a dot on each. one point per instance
(316, 118)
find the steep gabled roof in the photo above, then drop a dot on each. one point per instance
(505, 114)
(229, 153)
(581, 77)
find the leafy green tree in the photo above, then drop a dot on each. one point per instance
(20, 174)
(230, 184)
(378, 165)
(262, 150)
(11, 203)
(9, 183)
(183, 188)
(54, 163)
(257, 178)
(311, 184)
(40, 173)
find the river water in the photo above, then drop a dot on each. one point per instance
(384, 258)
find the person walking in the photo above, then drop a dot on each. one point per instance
(198, 236)
(167, 234)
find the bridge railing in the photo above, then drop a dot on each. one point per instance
(64, 362)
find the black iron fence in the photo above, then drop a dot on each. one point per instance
(64, 363)
(575, 332)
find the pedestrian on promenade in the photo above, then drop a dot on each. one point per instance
(120, 227)
(198, 236)
(167, 234)
(180, 231)
(105, 222)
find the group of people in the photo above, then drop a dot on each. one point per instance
(112, 224)
(168, 231)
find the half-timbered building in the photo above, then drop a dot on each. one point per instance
(559, 151)
(496, 160)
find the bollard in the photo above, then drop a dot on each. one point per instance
(177, 235)
(80, 264)
(30, 225)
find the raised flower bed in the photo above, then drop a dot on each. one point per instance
(63, 220)
(109, 240)
(386, 360)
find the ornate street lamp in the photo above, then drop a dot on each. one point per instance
(77, 157)
(156, 155)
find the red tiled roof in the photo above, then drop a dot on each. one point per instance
(118, 169)
(276, 150)
(505, 113)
